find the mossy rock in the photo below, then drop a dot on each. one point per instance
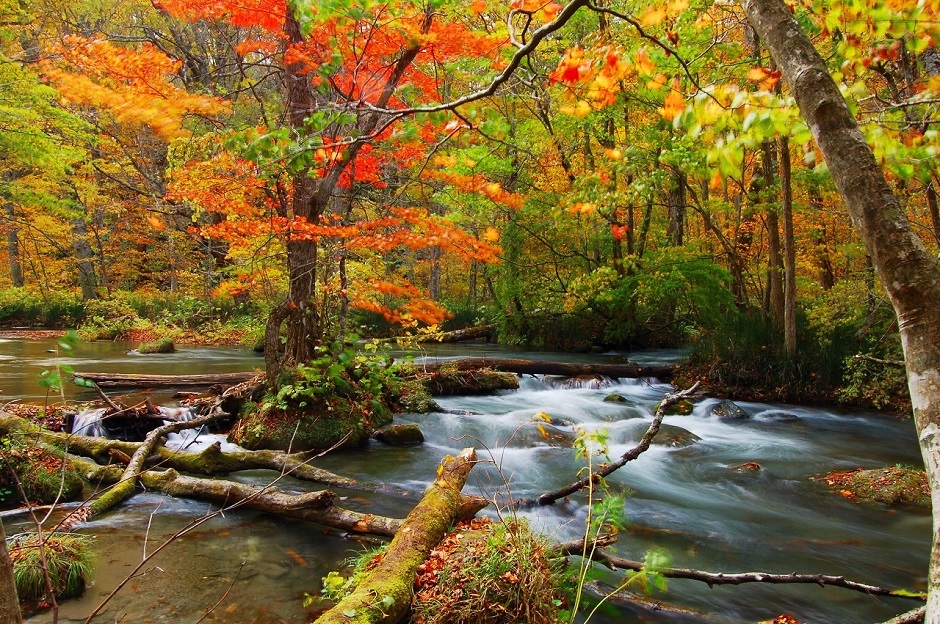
(615, 398)
(400, 435)
(313, 429)
(415, 398)
(895, 485)
(728, 410)
(68, 559)
(680, 408)
(41, 475)
(163, 345)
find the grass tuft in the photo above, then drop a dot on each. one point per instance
(69, 559)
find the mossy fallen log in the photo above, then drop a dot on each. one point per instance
(384, 593)
(543, 367)
(459, 335)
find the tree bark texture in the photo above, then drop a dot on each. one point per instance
(9, 603)
(909, 273)
(789, 248)
(393, 577)
(84, 259)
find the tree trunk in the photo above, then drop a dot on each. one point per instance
(9, 604)
(772, 223)
(934, 210)
(676, 201)
(789, 249)
(83, 259)
(13, 249)
(909, 273)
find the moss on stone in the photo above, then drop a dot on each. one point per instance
(896, 485)
(163, 345)
(681, 408)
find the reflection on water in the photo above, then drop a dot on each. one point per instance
(690, 499)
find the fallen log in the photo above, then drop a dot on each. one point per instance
(543, 367)
(126, 380)
(384, 593)
(459, 335)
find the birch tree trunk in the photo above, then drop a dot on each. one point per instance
(910, 275)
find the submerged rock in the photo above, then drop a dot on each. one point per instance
(728, 410)
(400, 435)
(780, 417)
(615, 398)
(668, 435)
(540, 434)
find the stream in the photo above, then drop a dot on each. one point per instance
(690, 500)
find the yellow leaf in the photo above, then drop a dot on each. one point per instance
(582, 109)
(677, 6)
(643, 63)
(653, 17)
(542, 431)
(490, 235)
(613, 154)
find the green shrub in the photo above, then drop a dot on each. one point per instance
(68, 559)
(21, 306)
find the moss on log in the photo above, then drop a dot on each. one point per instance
(384, 593)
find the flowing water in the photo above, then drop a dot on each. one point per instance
(690, 499)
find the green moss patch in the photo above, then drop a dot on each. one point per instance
(41, 474)
(890, 486)
(163, 345)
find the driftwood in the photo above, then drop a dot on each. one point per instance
(550, 497)
(384, 593)
(541, 367)
(459, 335)
(122, 380)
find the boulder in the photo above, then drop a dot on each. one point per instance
(727, 410)
(400, 435)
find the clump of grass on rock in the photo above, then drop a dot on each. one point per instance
(487, 573)
(68, 558)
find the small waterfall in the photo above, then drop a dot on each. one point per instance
(177, 414)
(88, 423)
(592, 382)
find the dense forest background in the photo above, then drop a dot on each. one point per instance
(639, 178)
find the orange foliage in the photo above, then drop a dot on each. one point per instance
(132, 84)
